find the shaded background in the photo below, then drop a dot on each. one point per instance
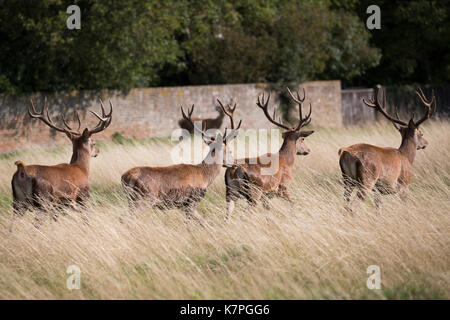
(135, 43)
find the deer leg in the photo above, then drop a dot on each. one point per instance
(403, 193)
(377, 200)
(134, 206)
(253, 197)
(83, 198)
(265, 203)
(284, 193)
(81, 201)
(136, 199)
(230, 208)
(39, 217)
(356, 202)
(19, 209)
(192, 213)
(252, 202)
(367, 178)
(348, 189)
(231, 197)
(361, 195)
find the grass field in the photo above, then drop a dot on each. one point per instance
(309, 250)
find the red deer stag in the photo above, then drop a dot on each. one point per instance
(209, 123)
(181, 186)
(383, 170)
(248, 179)
(63, 183)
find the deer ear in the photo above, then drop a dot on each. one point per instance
(304, 134)
(85, 134)
(411, 124)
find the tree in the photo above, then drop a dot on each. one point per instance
(280, 41)
(121, 44)
(139, 43)
(414, 40)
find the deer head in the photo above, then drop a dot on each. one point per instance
(218, 142)
(292, 133)
(80, 140)
(408, 130)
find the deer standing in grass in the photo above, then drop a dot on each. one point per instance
(66, 183)
(209, 123)
(181, 186)
(379, 169)
(248, 179)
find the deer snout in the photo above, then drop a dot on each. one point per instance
(303, 151)
(95, 152)
(423, 146)
(422, 143)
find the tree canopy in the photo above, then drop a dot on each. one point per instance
(137, 43)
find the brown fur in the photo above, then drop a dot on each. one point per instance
(250, 181)
(65, 183)
(172, 186)
(180, 186)
(60, 183)
(246, 180)
(378, 169)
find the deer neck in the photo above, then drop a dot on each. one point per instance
(81, 158)
(408, 148)
(288, 151)
(210, 168)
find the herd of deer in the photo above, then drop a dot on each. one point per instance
(365, 167)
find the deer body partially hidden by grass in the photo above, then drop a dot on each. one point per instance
(383, 170)
(248, 179)
(206, 124)
(180, 186)
(65, 183)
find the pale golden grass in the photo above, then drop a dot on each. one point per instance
(310, 249)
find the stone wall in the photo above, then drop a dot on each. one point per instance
(354, 111)
(149, 112)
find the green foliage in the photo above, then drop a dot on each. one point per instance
(120, 44)
(118, 138)
(137, 43)
(284, 41)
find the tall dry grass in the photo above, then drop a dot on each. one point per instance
(310, 249)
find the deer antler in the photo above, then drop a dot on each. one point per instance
(189, 119)
(44, 116)
(302, 122)
(427, 104)
(230, 114)
(264, 106)
(104, 120)
(375, 103)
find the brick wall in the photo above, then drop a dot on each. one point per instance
(151, 112)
